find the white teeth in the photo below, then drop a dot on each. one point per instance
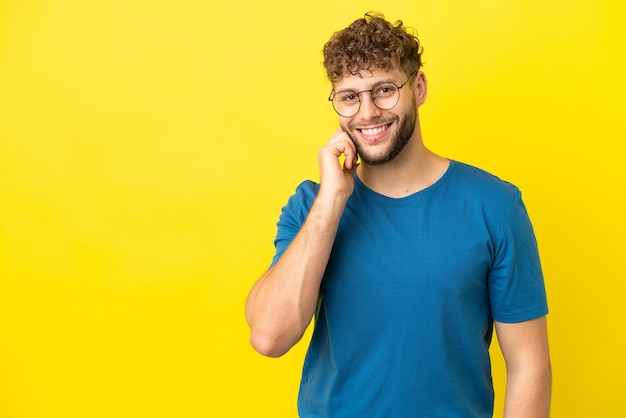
(373, 131)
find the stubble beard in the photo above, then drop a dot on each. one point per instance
(397, 143)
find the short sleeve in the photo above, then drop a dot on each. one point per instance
(516, 285)
(293, 216)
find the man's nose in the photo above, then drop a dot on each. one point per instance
(368, 108)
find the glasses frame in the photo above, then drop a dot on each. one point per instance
(333, 93)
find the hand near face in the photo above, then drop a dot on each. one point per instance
(337, 177)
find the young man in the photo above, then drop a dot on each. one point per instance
(407, 260)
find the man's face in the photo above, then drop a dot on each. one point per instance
(380, 135)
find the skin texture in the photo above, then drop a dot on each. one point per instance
(395, 163)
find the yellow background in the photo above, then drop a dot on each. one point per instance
(146, 149)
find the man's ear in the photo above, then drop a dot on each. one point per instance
(420, 87)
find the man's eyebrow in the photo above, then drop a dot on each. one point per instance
(394, 82)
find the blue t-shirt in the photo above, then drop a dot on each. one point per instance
(409, 297)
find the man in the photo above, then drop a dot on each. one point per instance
(406, 260)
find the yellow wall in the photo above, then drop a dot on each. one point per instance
(146, 149)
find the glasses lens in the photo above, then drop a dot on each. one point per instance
(346, 103)
(386, 96)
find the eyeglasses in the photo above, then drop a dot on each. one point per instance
(384, 96)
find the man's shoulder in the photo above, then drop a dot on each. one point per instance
(477, 179)
(308, 187)
(302, 199)
(306, 191)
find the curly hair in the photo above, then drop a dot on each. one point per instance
(370, 43)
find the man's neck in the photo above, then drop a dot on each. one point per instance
(414, 169)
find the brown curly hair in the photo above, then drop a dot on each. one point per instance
(370, 43)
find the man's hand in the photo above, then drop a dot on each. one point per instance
(336, 178)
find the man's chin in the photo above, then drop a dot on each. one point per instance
(374, 159)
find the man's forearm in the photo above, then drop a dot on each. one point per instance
(528, 393)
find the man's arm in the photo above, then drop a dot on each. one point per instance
(524, 346)
(283, 301)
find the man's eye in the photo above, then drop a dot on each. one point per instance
(349, 97)
(385, 90)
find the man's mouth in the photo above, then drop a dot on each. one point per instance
(374, 132)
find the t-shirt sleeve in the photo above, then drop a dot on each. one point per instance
(293, 216)
(516, 284)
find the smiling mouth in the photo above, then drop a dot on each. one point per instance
(375, 131)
